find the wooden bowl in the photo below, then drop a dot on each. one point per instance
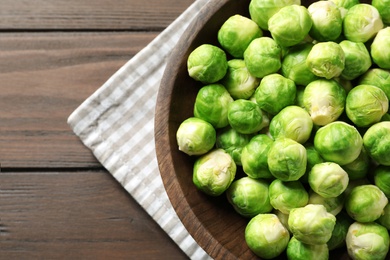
(212, 222)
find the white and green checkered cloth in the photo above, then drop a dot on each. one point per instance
(117, 124)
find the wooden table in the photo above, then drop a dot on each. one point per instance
(56, 199)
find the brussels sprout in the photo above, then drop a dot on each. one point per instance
(263, 56)
(361, 23)
(366, 104)
(266, 236)
(261, 10)
(207, 64)
(337, 240)
(345, 83)
(326, 60)
(254, 157)
(285, 196)
(367, 241)
(232, 142)
(292, 122)
(311, 224)
(333, 205)
(358, 168)
(294, 64)
(382, 179)
(236, 33)
(338, 142)
(211, 105)
(214, 172)
(296, 250)
(377, 77)
(290, 25)
(324, 100)
(195, 136)
(238, 81)
(357, 59)
(377, 142)
(275, 92)
(365, 203)
(328, 179)
(327, 21)
(383, 8)
(245, 116)
(344, 5)
(249, 197)
(380, 48)
(287, 159)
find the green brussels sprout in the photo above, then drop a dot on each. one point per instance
(263, 56)
(326, 60)
(344, 5)
(380, 48)
(297, 250)
(294, 65)
(275, 92)
(367, 241)
(361, 23)
(337, 240)
(324, 100)
(357, 59)
(290, 25)
(245, 116)
(384, 220)
(338, 142)
(328, 179)
(385, 117)
(207, 64)
(345, 83)
(254, 157)
(232, 142)
(261, 10)
(266, 236)
(211, 105)
(285, 196)
(333, 205)
(358, 168)
(292, 122)
(214, 172)
(366, 104)
(195, 136)
(287, 159)
(238, 81)
(236, 33)
(327, 21)
(377, 142)
(382, 179)
(249, 197)
(377, 77)
(311, 224)
(383, 8)
(365, 203)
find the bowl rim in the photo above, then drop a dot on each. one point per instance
(161, 129)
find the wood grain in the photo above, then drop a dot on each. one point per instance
(79, 215)
(90, 15)
(44, 78)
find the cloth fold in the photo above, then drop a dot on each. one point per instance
(117, 124)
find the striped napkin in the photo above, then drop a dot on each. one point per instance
(116, 123)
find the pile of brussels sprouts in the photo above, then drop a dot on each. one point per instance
(296, 99)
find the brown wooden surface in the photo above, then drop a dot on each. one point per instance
(56, 200)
